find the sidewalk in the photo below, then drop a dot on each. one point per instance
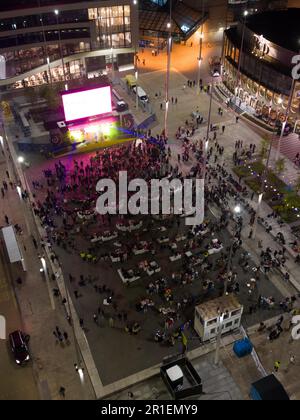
(217, 383)
(53, 363)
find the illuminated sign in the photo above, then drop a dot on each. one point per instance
(261, 46)
(185, 28)
(86, 103)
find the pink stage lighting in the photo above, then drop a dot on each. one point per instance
(87, 103)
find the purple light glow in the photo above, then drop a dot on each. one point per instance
(87, 103)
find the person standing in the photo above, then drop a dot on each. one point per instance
(277, 365)
(62, 392)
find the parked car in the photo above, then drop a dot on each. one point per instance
(122, 106)
(19, 346)
(141, 94)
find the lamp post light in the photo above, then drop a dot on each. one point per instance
(237, 211)
(221, 317)
(201, 36)
(45, 43)
(238, 76)
(70, 314)
(288, 110)
(136, 74)
(56, 12)
(112, 64)
(263, 186)
(209, 117)
(169, 27)
(44, 269)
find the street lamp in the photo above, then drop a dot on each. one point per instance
(56, 12)
(263, 186)
(112, 64)
(21, 159)
(288, 109)
(44, 269)
(201, 36)
(221, 317)
(238, 76)
(45, 42)
(237, 211)
(169, 27)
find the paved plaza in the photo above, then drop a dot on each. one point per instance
(117, 354)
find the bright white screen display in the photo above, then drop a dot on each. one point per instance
(87, 103)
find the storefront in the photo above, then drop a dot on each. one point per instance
(265, 82)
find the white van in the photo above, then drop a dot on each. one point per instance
(141, 94)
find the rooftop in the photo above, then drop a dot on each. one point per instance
(155, 14)
(211, 309)
(280, 27)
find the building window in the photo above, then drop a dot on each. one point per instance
(236, 312)
(113, 25)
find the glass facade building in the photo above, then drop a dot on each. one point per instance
(33, 36)
(265, 80)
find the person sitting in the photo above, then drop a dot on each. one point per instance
(136, 328)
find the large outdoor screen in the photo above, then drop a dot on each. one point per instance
(87, 103)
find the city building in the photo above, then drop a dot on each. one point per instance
(264, 84)
(155, 16)
(45, 41)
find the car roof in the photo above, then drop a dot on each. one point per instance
(16, 336)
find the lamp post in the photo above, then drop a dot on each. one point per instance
(209, 117)
(136, 70)
(112, 64)
(45, 270)
(45, 43)
(238, 76)
(263, 187)
(221, 317)
(288, 110)
(70, 314)
(237, 210)
(56, 12)
(201, 36)
(169, 27)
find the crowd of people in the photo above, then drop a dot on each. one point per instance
(66, 207)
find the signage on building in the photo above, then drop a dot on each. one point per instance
(261, 46)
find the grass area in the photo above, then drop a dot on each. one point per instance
(278, 195)
(91, 147)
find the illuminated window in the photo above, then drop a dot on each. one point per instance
(160, 2)
(112, 25)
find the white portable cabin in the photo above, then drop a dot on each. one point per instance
(225, 311)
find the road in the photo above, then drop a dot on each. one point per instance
(15, 382)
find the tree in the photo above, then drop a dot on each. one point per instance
(51, 96)
(264, 148)
(280, 166)
(297, 185)
(31, 94)
(6, 110)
